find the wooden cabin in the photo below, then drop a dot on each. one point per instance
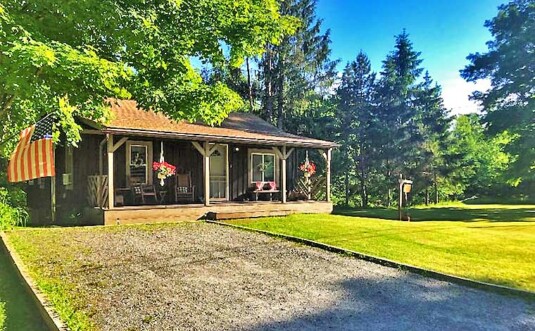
(245, 167)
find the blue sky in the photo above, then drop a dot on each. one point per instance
(444, 31)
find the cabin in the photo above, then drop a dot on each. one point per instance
(245, 167)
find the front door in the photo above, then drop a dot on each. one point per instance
(219, 173)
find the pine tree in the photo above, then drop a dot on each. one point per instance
(297, 73)
(397, 112)
(355, 95)
(433, 123)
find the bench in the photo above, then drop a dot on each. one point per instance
(256, 193)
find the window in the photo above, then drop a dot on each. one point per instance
(139, 162)
(263, 167)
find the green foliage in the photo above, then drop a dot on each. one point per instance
(69, 58)
(354, 120)
(296, 74)
(509, 63)
(11, 212)
(477, 162)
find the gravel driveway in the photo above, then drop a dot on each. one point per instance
(199, 276)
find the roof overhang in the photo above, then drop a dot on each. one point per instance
(218, 138)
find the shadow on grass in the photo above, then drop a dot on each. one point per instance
(22, 312)
(409, 303)
(446, 214)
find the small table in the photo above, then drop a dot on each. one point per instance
(270, 192)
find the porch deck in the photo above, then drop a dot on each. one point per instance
(222, 210)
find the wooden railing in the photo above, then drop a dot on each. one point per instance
(314, 189)
(97, 191)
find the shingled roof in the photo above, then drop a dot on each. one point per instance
(237, 128)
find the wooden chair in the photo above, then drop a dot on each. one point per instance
(142, 192)
(184, 190)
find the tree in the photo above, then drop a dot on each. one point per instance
(433, 124)
(476, 162)
(396, 114)
(297, 73)
(70, 57)
(509, 63)
(355, 96)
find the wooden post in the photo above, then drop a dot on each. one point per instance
(328, 174)
(400, 203)
(53, 198)
(206, 172)
(283, 175)
(111, 189)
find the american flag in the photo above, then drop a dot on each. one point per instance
(34, 155)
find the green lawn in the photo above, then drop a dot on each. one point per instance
(2, 316)
(491, 243)
(17, 309)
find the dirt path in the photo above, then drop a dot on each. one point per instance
(207, 277)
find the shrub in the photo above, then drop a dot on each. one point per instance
(10, 215)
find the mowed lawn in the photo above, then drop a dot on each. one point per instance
(490, 243)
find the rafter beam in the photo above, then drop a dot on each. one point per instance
(119, 144)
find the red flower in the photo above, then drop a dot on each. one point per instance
(309, 168)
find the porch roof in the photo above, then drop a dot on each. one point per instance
(237, 128)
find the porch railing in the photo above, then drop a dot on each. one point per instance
(314, 189)
(97, 191)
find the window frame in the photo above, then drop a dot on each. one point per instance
(149, 159)
(252, 153)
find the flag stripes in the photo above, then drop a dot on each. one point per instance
(32, 158)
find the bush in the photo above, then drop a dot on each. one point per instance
(10, 215)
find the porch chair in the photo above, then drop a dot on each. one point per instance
(142, 192)
(184, 190)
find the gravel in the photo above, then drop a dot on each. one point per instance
(198, 276)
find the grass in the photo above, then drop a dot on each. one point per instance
(2, 315)
(490, 243)
(18, 311)
(71, 302)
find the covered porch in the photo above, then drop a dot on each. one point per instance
(245, 167)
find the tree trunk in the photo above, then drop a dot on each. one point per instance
(363, 187)
(280, 92)
(427, 196)
(268, 74)
(249, 85)
(347, 188)
(389, 191)
(436, 188)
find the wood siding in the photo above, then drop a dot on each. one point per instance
(182, 154)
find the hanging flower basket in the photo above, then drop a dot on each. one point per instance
(163, 170)
(308, 168)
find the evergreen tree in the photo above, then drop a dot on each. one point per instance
(355, 95)
(396, 121)
(297, 73)
(433, 123)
